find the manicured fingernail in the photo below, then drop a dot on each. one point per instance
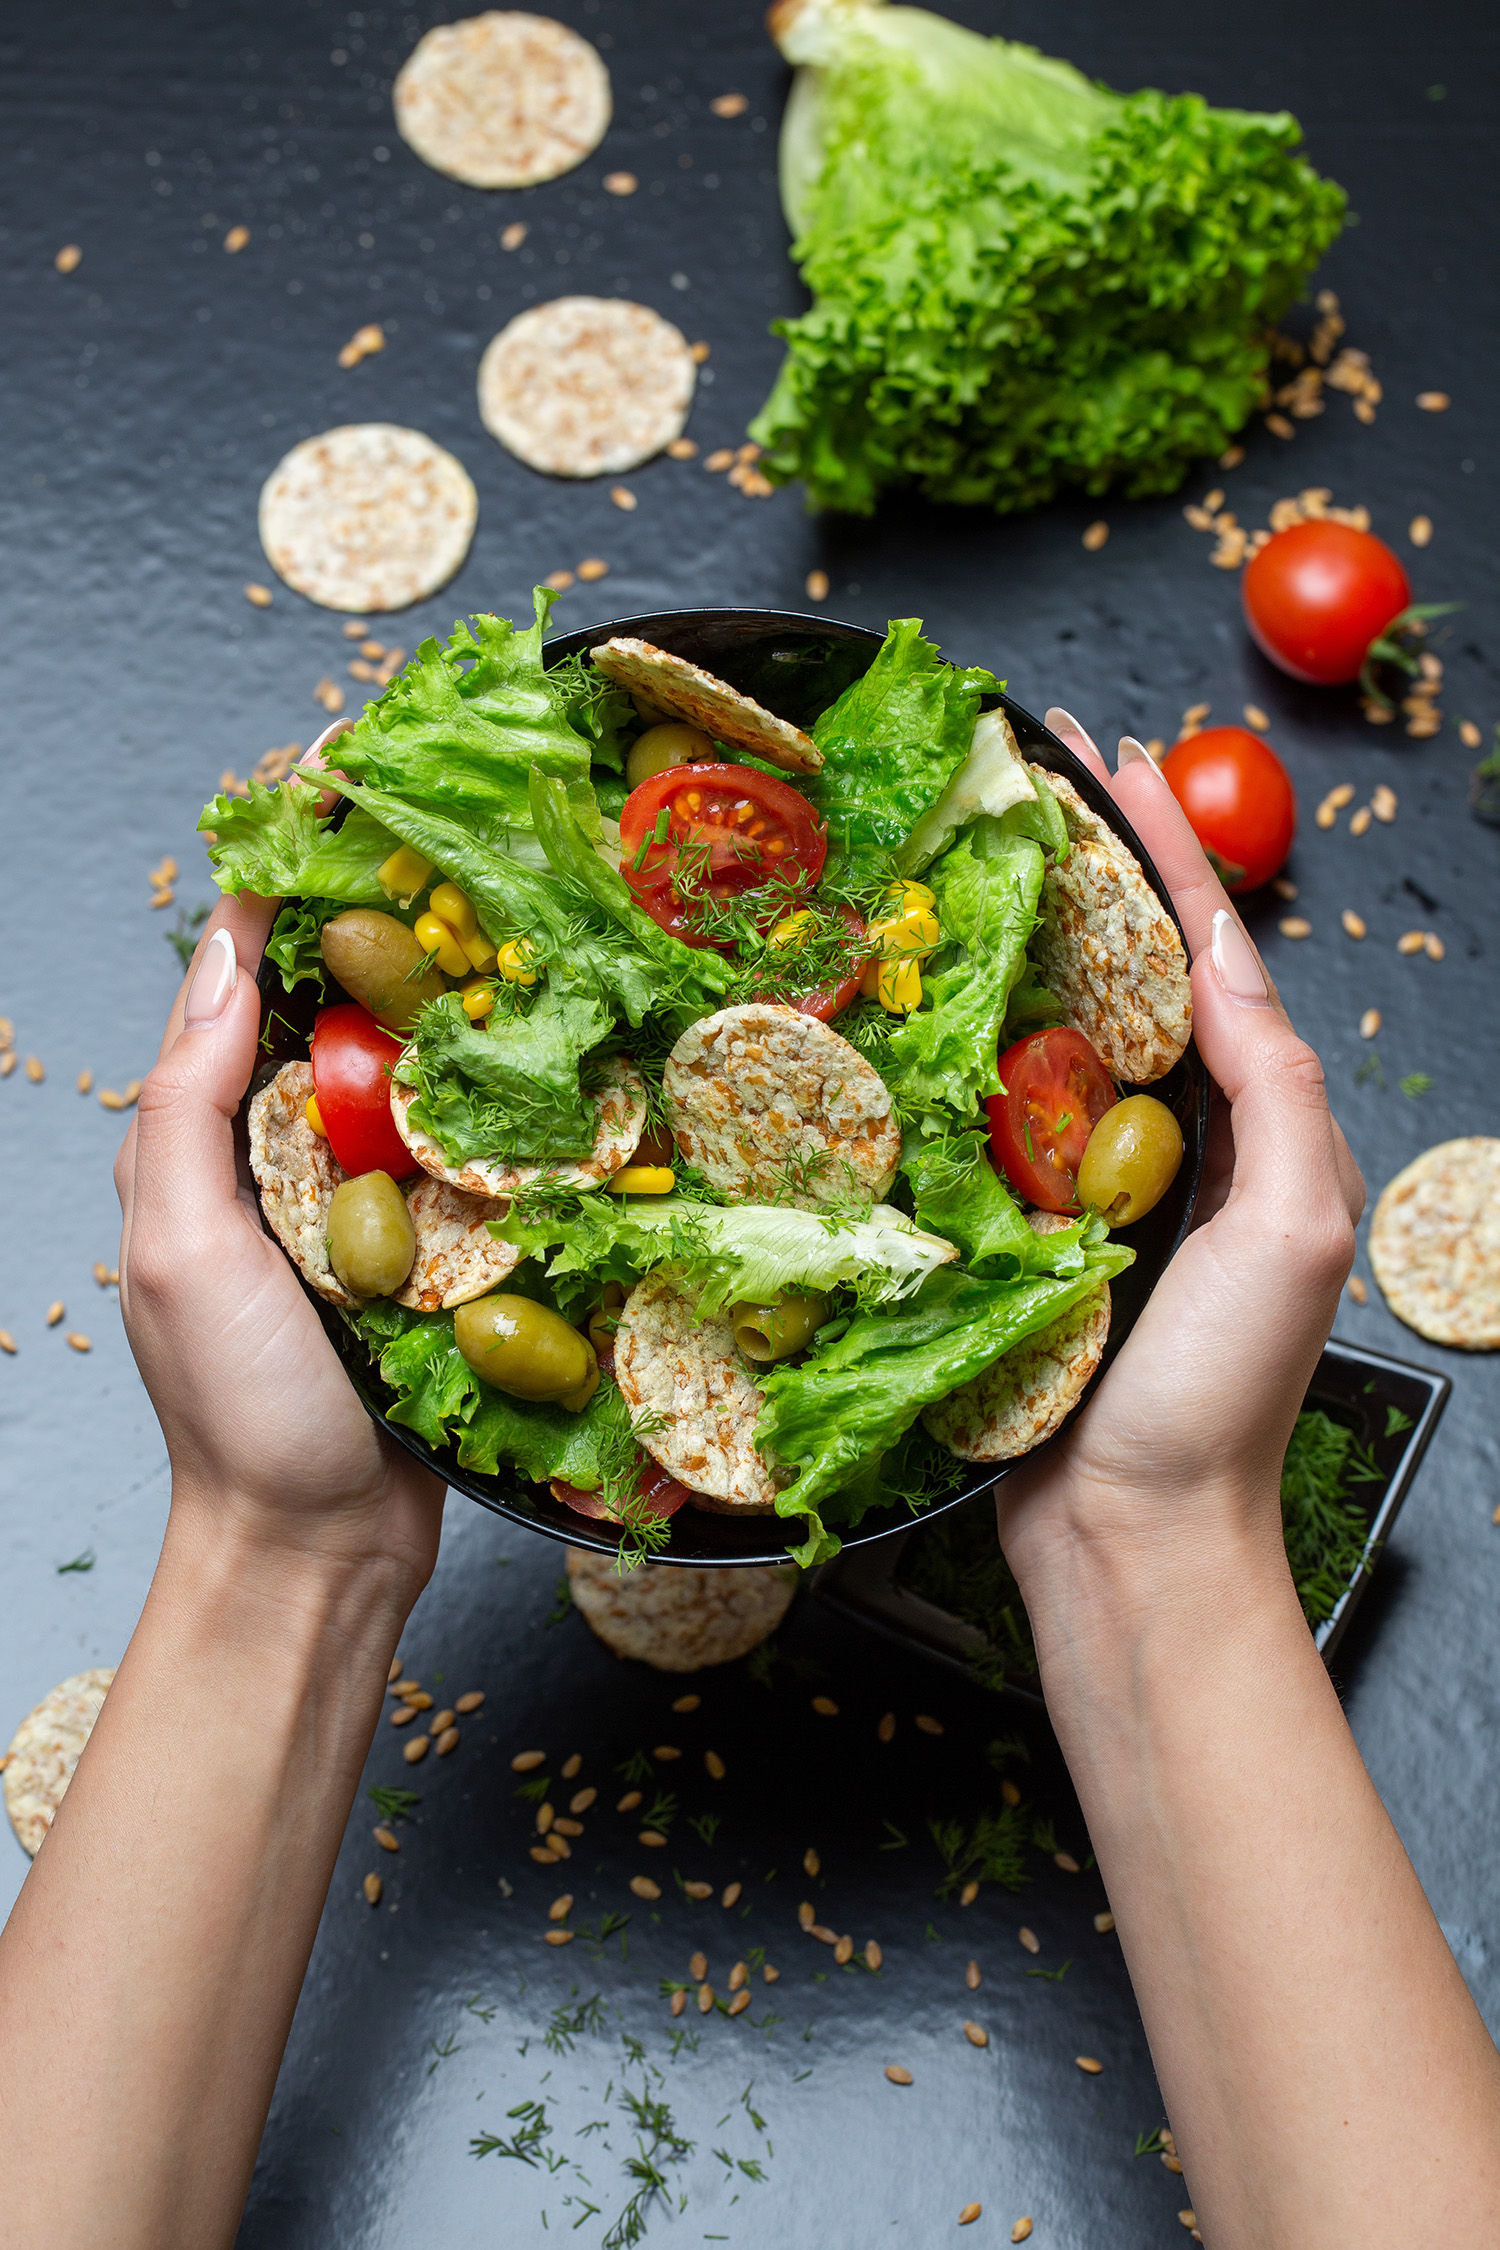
(208, 994)
(1063, 724)
(1235, 965)
(1133, 753)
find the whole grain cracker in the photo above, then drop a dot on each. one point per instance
(1029, 1391)
(669, 683)
(669, 1362)
(619, 1101)
(775, 1105)
(367, 517)
(679, 1620)
(457, 1258)
(297, 1173)
(502, 100)
(1435, 1244)
(1110, 950)
(45, 1750)
(586, 386)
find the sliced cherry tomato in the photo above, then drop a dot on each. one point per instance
(831, 1000)
(714, 832)
(1239, 800)
(352, 1060)
(1318, 594)
(662, 1494)
(1056, 1091)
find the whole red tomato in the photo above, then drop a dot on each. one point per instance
(1239, 800)
(1318, 594)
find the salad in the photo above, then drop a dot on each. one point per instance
(702, 1111)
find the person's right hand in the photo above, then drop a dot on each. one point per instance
(1184, 1437)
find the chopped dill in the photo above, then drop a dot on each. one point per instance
(392, 1804)
(992, 1851)
(661, 1812)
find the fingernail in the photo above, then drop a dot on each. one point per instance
(1062, 723)
(208, 994)
(1133, 753)
(1235, 964)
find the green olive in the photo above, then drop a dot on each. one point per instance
(775, 1331)
(373, 955)
(527, 1350)
(674, 743)
(1131, 1160)
(605, 1317)
(371, 1243)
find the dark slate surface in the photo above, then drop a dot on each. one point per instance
(147, 396)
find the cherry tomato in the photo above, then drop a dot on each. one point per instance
(696, 832)
(1056, 1091)
(1316, 596)
(662, 1494)
(1239, 800)
(351, 1060)
(831, 1000)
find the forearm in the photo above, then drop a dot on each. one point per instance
(150, 1969)
(1324, 2068)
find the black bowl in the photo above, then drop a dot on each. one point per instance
(796, 666)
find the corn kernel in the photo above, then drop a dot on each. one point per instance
(435, 937)
(899, 987)
(793, 929)
(450, 905)
(480, 951)
(643, 1179)
(914, 930)
(478, 999)
(403, 874)
(314, 1117)
(514, 960)
(910, 892)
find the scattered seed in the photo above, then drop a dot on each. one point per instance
(1495, 1518)
(1434, 402)
(109, 1099)
(1411, 941)
(542, 1857)
(416, 1750)
(514, 235)
(77, 1342)
(739, 2003)
(620, 183)
(592, 568)
(700, 354)
(236, 239)
(1231, 457)
(682, 449)
(720, 460)
(873, 1957)
(132, 1093)
(1095, 536)
(927, 1724)
(1383, 803)
(972, 1977)
(844, 1951)
(1369, 1023)
(394, 1673)
(1359, 821)
(1295, 927)
(418, 1698)
(887, 1727)
(34, 1070)
(699, 1890)
(581, 1800)
(811, 1864)
(471, 1702)
(731, 1894)
(629, 1801)
(898, 2076)
(1326, 814)
(1419, 531)
(816, 584)
(968, 1894)
(560, 1908)
(558, 1937)
(666, 1751)
(769, 1974)
(69, 258)
(330, 695)
(1255, 717)
(409, 1687)
(545, 1815)
(1364, 411)
(686, 1703)
(558, 1846)
(1353, 923)
(7, 1062)
(441, 1722)
(1432, 945)
(705, 1998)
(976, 2035)
(1199, 518)
(7, 1342)
(1030, 1940)
(679, 2000)
(446, 1741)
(386, 1840)
(55, 1313)
(1088, 2063)
(651, 1837)
(643, 1887)
(1469, 735)
(1104, 1923)
(825, 1706)
(526, 1761)
(1066, 1862)
(1195, 714)
(1358, 1290)
(807, 1914)
(1279, 426)
(101, 1274)
(1187, 2218)
(1172, 2163)
(1009, 1793)
(1285, 888)
(372, 1889)
(713, 1765)
(739, 1976)
(823, 1934)
(623, 497)
(729, 105)
(558, 580)
(403, 1715)
(1021, 2231)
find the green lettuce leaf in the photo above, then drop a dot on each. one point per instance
(261, 842)
(940, 1063)
(510, 1089)
(596, 709)
(1022, 281)
(991, 780)
(891, 744)
(834, 1416)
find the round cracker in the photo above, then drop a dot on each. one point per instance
(1435, 1244)
(620, 1101)
(502, 100)
(457, 1258)
(296, 1172)
(47, 1746)
(661, 682)
(691, 1371)
(679, 1620)
(367, 517)
(1110, 950)
(586, 386)
(1028, 1392)
(774, 1105)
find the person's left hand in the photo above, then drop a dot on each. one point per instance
(262, 1425)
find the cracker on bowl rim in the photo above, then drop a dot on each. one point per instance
(367, 517)
(671, 684)
(503, 100)
(586, 386)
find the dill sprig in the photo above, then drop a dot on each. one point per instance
(992, 1851)
(393, 1804)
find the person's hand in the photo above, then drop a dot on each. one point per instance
(1181, 1445)
(264, 1431)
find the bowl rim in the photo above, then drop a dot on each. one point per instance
(533, 1506)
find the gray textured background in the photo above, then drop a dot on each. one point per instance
(146, 397)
